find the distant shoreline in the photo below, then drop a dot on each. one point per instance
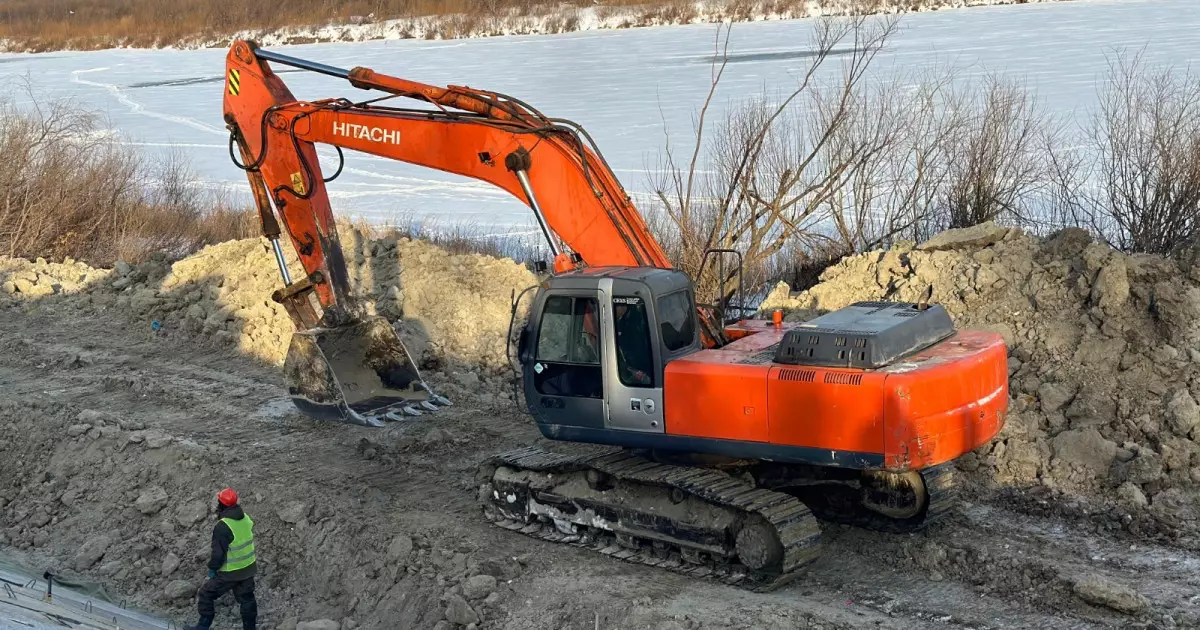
(538, 20)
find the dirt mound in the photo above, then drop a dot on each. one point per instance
(1104, 358)
(447, 307)
(20, 278)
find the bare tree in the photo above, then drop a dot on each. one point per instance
(771, 173)
(899, 135)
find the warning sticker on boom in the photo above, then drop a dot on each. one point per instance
(235, 81)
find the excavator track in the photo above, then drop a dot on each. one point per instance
(694, 521)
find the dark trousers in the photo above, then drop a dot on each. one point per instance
(243, 592)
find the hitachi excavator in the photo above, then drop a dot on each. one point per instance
(715, 448)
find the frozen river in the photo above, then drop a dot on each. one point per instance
(621, 85)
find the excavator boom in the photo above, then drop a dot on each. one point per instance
(346, 366)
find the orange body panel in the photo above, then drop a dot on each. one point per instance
(929, 408)
(709, 394)
(945, 401)
(829, 409)
(716, 400)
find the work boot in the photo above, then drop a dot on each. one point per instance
(204, 624)
(248, 624)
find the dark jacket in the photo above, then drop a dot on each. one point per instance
(221, 538)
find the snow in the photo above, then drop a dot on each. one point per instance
(626, 87)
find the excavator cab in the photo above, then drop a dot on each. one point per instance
(595, 346)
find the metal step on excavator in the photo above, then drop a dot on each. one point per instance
(719, 447)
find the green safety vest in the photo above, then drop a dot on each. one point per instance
(241, 551)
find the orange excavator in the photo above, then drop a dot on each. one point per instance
(716, 448)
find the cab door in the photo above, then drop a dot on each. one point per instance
(563, 361)
(632, 365)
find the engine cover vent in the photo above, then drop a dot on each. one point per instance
(802, 376)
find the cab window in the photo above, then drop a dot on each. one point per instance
(677, 320)
(568, 348)
(635, 357)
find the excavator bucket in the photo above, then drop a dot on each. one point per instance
(359, 373)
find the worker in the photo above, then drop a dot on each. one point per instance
(231, 566)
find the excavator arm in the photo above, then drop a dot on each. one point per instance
(550, 164)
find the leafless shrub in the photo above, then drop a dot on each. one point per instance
(71, 190)
(996, 154)
(841, 163)
(894, 146)
(1136, 179)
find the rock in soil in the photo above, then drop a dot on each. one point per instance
(170, 563)
(400, 548)
(151, 500)
(965, 238)
(292, 512)
(91, 552)
(191, 513)
(459, 612)
(1097, 590)
(478, 587)
(179, 589)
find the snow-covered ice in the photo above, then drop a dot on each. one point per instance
(621, 85)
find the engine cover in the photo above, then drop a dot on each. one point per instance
(865, 335)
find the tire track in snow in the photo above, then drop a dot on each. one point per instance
(137, 108)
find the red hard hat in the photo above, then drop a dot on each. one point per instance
(227, 497)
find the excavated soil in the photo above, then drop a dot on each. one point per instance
(132, 395)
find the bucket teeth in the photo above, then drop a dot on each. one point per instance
(434, 398)
(398, 414)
